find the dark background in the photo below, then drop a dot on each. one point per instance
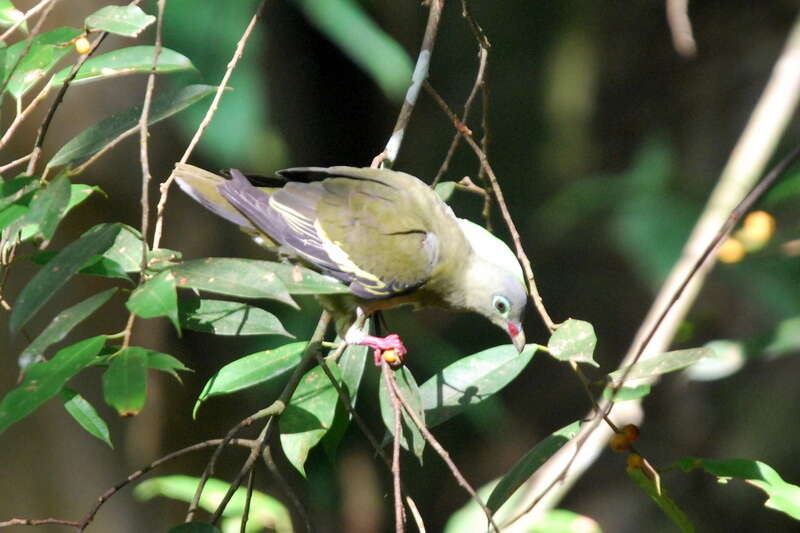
(600, 132)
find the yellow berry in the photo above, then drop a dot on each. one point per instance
(635, 461)
(757, 230)
(82, 45)
(391, 357)
(619, 442)
(731, 251)
(631, 432)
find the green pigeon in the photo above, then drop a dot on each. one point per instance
(383, 233)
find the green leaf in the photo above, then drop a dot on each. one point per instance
(194, 527)
(309, 415)
(564, 521)
(128, 21)
(574, 340)
(786, 338)
(155, 298)
(346, 24)
(16, 190)
(445, 190)
(407, 387)
(228, 318)
(132, 60)
(781, 496)
(264, 510)
(659, 495)
(627, 393)
(45, 51)
(471, 380)
(728, 358)
(58, 271)
(125, 381)
(351, 366)
(9, 15)
(93, 139)
(79, 192)
(528, 464)
(661, 364)
(83, 413)
(61, 325)
(96, 266)
(49, 206)
(45, 380)
(233, 277)
(251, 370)
(166, 363)
(127, 249)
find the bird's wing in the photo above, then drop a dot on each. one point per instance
(371, 229)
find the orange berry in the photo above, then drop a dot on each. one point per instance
(731, 251)
(391, 357)
(619, 442)
(635, 461)
(82, 45)
(631, 432)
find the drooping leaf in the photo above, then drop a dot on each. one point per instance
(127, 249)
(528, 464)
(123, 61)
(15, 190)
(233, 277)
(264, 509)
(728, 358)
(659, 495)
(61, 325)
(48, 207)
(470, 380)
(46, 379)
(45, 51)
(86, 415)
(125, 381)
(781, 496)
(627, 393)
(574, 340)
(59, 270)
(309, 415)
(9, 15)
(128, 21)
(157, 297)
(228, 318)
(166, 363)
(445, 190)
(251, 370)
(93, 139)
(346, 23)
(661, 364)
(78, 192)
(407, 387)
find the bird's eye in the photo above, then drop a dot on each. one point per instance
(501, 305)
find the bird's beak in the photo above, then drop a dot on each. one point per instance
(517, 335)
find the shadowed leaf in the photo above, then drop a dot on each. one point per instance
(125, 381)
(574, 340)
(132, 60)
(127, 21)
(228, 318)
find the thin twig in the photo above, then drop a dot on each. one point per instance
(22, 116)
(282, 401)
(399, 511)
(212, 109)
(106, 147)
(143, 130)
(389, 154)
(391, 384)
(498, 193)
(285, 486)
(16, 162)
(680, 26)
(248, 499)
(84, 523)
(39, 522)
(28, 43)
(28, 14)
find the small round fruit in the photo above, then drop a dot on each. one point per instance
(619, 442)
(635, 461)
(731, 251)
(391, 357)
(631, 432)
(82, 45)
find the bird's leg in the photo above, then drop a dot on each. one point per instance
(356, 335)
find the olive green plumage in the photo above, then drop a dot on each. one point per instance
(384, 233)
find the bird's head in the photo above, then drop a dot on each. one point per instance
(495, 284)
